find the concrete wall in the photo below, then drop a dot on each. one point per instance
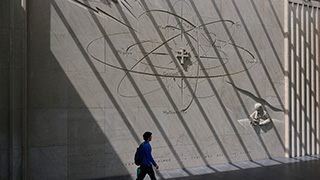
(101, 73)
(87, 114)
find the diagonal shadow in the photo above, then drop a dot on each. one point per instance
(250, 78)
(81, 162)
(229, 77)
(263, 65)
(302, 54)
(260, 57)
(125, 119)
(99, 133)
(268, 36)
(186, 127)
(139, 92)
(260, 138)
(256, 49)
(65, 140)
(197, 102)
(188, 85)
(314, 83)
(295, 147)
(298, 94)
(277, 19)
(98, 76)
(145, 103)
(309, 27)
(294, 80)
(291, 35)
(206, 118)
(203, 113)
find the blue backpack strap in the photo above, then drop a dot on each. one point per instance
(142, 144)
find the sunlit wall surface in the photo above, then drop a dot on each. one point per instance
(103, 72)
(195, 73)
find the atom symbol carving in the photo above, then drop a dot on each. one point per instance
(174, 47)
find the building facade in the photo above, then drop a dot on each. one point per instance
(215, 81)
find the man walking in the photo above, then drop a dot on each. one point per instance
(147, 159)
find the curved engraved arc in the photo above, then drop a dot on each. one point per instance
(167, 12)
(165, 75)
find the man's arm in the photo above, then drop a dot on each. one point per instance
(149, 156)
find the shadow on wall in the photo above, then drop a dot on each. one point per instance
(67, 130)
(66, 137)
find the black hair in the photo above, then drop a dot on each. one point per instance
(146, 135)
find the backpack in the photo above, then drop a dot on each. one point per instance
(138, 155)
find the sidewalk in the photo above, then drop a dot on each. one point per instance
(299, 168)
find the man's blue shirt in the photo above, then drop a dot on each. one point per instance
(146, 154)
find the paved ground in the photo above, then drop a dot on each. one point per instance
(301, 168)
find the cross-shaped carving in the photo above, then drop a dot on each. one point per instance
(182, 55)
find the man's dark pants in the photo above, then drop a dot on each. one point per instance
(146, 170)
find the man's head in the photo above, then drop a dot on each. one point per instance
(147, 136)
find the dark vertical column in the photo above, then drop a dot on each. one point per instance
(24, 158)
(4, 88)
(317, 81)
(15, 84)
